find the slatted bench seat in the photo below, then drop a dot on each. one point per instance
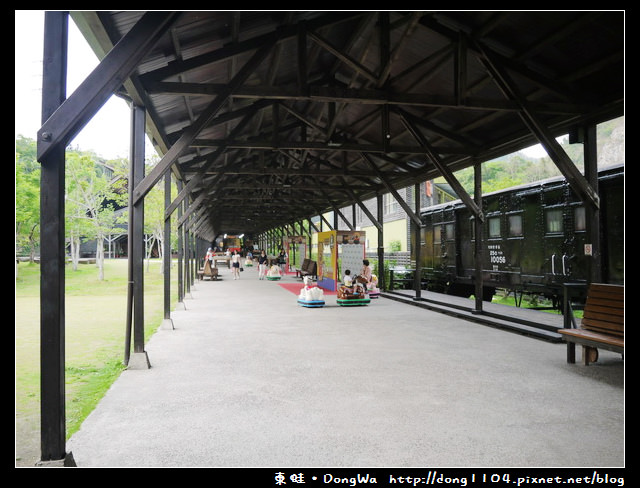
(305, 263)
(308, 268)
(212, 273)
(602, 325)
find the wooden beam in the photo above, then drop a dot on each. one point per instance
(268, 145)
(174, 68)
(202, 121)
(194, 181)
(564, 163)
(52, 251)
(166, 250)
(65, 123)
(139, 359)
(364, 208)
(345, 58)
(368, 96)
(412, 215)
(445, 171)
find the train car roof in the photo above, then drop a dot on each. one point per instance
(603, 172)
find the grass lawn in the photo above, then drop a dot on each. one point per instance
(95, 328)
(530, 301)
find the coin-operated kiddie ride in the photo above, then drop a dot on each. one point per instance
(354, 295)
(311, 295)
(274, 273)
(372, 287)
(337, 252)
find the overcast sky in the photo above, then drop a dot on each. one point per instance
(107, 134)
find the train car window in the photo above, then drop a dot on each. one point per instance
(494, 227)
(437, 231)
(449, 232)
(554, 221)
(580, 219)
(515, 226)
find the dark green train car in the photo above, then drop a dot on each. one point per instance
(534, 239)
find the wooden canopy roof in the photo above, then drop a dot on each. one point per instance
(267, 118)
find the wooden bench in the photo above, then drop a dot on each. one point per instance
(602, 325)
(305, 263)
(308, 268)
(212, 273)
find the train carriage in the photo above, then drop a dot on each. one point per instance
(534, 239)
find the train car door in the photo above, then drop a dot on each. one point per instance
(576, 260)
(434, 255)
(508, 258)
(612, 194)
(514, 244)
(450, 254)
(556, 244)
(532, 256)
(427, 241)
(466, 241)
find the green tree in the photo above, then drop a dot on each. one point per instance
(154, 220)
(27, 197)
(90, 214)
(154, 207)
(516, 169)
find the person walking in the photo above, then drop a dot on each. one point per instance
(262, 265)
(282, 260)
(235, 265)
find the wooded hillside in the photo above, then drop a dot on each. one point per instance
(518, 168)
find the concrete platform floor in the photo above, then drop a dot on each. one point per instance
(245, 377)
